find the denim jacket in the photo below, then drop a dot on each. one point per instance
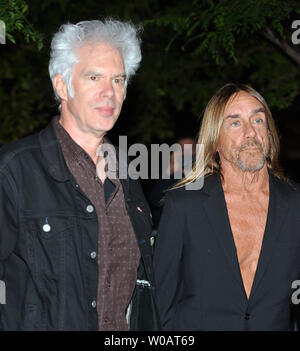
(47, 235)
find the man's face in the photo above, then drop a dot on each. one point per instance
(244, 136)
(98, 83)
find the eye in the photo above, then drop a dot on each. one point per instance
(235, 124)
(258, 121)
(93, 78)
(119, 81)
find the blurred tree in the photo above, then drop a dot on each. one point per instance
(21, 88)
(190, 49)
(13, 14)
(253, 36)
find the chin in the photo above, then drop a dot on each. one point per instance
(106, 123)
(251, 165)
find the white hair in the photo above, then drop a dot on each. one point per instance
(121, 35)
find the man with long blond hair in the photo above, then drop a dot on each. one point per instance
(226, 254)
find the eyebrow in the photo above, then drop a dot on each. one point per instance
(94, 73)
(258, 110)
(254, 112)
(120, 75)
(232, 116)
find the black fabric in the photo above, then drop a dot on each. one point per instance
(109, 188)
(141, 309)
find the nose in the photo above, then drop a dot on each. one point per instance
(249, 130)
(107, 89)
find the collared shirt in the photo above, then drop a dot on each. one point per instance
(117, 253)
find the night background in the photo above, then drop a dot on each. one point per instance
(190, 49)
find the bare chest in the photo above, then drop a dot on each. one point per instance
(247, 218)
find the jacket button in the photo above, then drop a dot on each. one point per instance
(93, 255)
(90, 208)
(46, 228)
(247, 316)
(94, 304)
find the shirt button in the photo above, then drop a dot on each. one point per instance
(93, 254)
(90, 208)
(94, 304)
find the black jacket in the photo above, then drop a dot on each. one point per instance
(199, 283)
(50, 277)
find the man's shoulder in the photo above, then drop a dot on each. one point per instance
(285, 183)
(287, 188)
(193, 191)
(19, 148)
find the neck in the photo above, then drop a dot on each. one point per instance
(89, 142)
(238, 181)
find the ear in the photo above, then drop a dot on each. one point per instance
(60, 87)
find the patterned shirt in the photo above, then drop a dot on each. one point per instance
(118, 252)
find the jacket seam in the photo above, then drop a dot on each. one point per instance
(7, 176)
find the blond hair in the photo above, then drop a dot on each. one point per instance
(210, 131)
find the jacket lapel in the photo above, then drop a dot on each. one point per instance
(278, 207)
(216, 210)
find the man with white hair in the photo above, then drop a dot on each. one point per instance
(75, 250)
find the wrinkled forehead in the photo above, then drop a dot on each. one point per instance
(240, 101)
(242, 104)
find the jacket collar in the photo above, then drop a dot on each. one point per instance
(56, 165)
(213, 187)
(52, 154)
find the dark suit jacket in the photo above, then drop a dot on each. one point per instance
(198, 280)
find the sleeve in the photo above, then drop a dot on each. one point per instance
(168, 262)
(8, 220)
(8, 232)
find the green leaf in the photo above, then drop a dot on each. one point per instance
(11, 38)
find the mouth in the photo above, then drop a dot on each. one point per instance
(251, 149)
(105, 110)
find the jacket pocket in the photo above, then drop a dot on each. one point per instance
(46, 239)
